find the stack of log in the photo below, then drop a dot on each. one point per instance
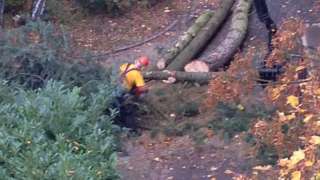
(181, 56)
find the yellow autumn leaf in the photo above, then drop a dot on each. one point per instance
(301, 110)
(240, 107)
(315, 140)
(285, 118)
(291, 116)
(308, 163)
(262, 168)
(296, 175)
(284, 162)
(317, 92)
(275, 93)
(293, 101)
(307, 118)
(300, 68)
(296, 158)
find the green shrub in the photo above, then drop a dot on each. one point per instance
(233, 120)
(189, 109)
(14, 5)
(55, 133)
(53, 129)
(39, 51)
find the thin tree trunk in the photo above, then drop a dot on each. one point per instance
(236, 34)
(264, 17)
(38, 9)
(200, 77)
(2, 4)
(184, 40)
(203, 37)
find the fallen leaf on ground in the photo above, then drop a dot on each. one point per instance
(300, 68)
(296, 175)
(262, 168)
(228, 171)
(297, 157)
(293, 101)
(307, 118)
(240, 107)
(213, 168)
(315, 140)
(308, 163)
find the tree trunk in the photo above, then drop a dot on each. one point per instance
(200, 77)
(203, 37)
(236, 34)
(38, 9)
(184, 40)
(1, 13)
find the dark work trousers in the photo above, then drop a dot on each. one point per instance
(127, 109)
(264, 17)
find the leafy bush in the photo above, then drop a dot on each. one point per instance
(55, 133)
(33, 54)
(14, 5)
(53, 129)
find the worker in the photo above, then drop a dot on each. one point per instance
(264, 17)
(131, 86)
(132, 78)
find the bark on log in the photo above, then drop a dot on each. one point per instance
(184, 40)
(236, 34)
(2, 3)
(199, 77)
(202, 37)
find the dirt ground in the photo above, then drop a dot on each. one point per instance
(180, 158)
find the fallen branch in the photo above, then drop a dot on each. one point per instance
(200, 77)
(238, 29)
(184, 40)
(203, 37)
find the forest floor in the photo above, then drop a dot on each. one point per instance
(180, 157)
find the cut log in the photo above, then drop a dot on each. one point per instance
(203, 37)
(1, 13)
(184, 40)
(196, 66)
(236, 34)
(199, 77)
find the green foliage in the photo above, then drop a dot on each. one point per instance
(14, 5)
(267, 155)
(33, 54)
(55, 133)
(189, 109)
(180, 129)
(115, 7)
(233, 120)
(53, 129)
(65, 13)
